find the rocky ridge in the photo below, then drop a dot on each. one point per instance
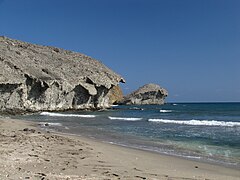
(147, 94)
(36, 78)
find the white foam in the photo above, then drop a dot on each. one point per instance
(197, 122)
(114, 105)
(50, 124)
(165, 111)
(137, 108)
(174, 104)
(66, 115)
(124, 118)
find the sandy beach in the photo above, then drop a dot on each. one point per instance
(26, 152)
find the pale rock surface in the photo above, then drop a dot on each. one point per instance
(37, 78)
(115, 94)
(147, 94)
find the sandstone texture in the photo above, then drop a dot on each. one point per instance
(147, 94)
(115, 95)
(36, 78)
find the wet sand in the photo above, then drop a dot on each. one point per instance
(26, 152)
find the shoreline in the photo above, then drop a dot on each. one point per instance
(29, 152)
(188, 158)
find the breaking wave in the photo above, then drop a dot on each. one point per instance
(197, 122)
(66, 115)
(165, 111)
(114, 105)
(124, 118)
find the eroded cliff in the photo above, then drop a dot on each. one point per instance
(147, 94)
(37, 78)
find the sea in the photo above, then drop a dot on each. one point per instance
(208, 132)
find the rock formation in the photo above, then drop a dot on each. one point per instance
(37, 78)
(147, 94)
(115, 95)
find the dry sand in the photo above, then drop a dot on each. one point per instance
(28, 153)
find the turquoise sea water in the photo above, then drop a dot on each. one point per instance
(203, 131)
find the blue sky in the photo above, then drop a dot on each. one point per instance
(191, 48)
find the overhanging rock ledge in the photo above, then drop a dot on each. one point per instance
(37, 78)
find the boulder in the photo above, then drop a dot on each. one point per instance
(147, 94)
(38, 78)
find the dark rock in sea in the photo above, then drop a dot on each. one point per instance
(36, 78)
(147, 94)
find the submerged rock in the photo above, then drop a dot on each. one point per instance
(36, 78)
(147, 94)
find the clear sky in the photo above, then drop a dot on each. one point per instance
(189, 47)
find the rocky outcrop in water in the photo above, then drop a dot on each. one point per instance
(37, 78)
(147, 94)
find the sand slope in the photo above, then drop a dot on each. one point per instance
(28, 153)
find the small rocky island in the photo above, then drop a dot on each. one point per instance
(36, 78)
(147, 94)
